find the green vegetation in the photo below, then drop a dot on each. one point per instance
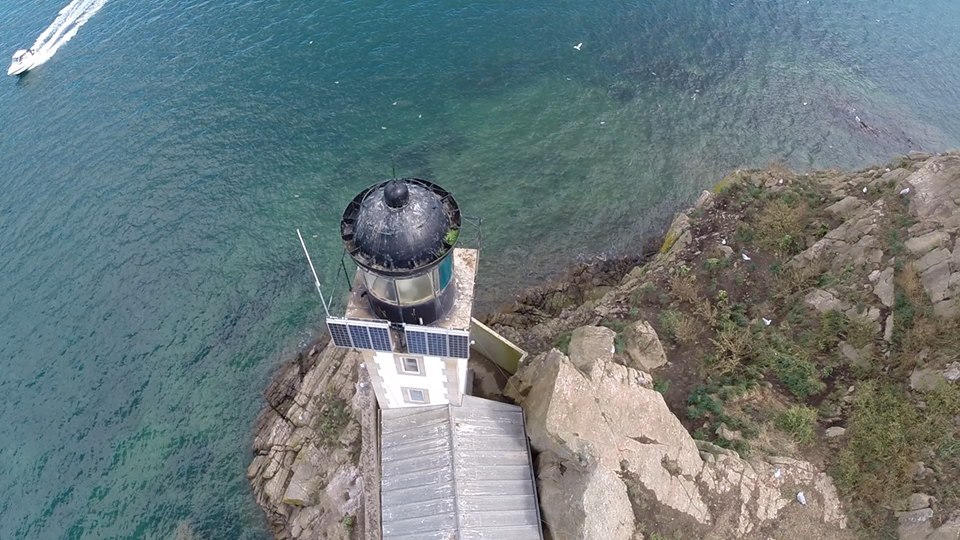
(750, 354)
(451, 237)
(333, 420)
(798, 421)
(678, 327)
(563, 342)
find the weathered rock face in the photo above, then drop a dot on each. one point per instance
(305, 473)
(599, 426)
(935, 201)
(643, 346)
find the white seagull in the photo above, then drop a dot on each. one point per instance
(578, 45)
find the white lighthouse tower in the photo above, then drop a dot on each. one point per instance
(451, 465)
(410, 307)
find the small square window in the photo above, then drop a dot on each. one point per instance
(416, 395)
(411, 366)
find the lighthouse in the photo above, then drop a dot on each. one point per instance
(410, 307)
(452, 465)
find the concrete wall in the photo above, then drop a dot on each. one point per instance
(496, 347)
(443, 379)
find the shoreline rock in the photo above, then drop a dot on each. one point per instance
(691, 486)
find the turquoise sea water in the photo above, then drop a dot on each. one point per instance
(153, 172)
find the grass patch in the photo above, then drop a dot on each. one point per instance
(684, 287)
(734, 345)
(799, 422)
(886, 433)
(333, 420)
(882, 433)
(797, 373)
(799, 279)
(780, 225)
(678, 326)
(563, 342)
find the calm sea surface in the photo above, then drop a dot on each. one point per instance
(154, 170)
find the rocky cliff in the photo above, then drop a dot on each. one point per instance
(615, 462)
(811, 317)
(804, 315)
(306, 469)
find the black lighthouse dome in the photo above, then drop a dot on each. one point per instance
(400, 226)
(401, 232)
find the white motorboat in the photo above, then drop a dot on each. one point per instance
(22, 62)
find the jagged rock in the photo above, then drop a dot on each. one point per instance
(835, 431)
(925, 379)
(918, 501)
(852, 243)
(729, 434)
(678, 237)
(888, 329)
(935, 191)
(895, 176)
(588, 343)
(582, 425)
(850, 353)
(952, 372)
(936, 257)
(947, 309)
(705, 198)
(823, 301)
(846, 206)
(643, 346)
(884, 287)
(950, 530)
(592, 504)
(707, 447)
(306, 479)
(915, 524)
(306, 487)
(924, 244)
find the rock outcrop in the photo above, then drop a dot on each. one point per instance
(599, 427)
(305, 472)
(643, 346)
(935, 201)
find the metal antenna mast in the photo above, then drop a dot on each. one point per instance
(316, 280)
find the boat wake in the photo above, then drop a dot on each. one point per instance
(64, 27)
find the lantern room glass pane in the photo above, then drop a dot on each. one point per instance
(415, 290)
(380, 287)
(445, 272)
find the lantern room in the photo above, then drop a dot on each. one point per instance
(402, 233)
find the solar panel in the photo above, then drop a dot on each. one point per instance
(340, 334)
(360, 337)
(437, 341)
(357, 334)
(437, 344)
(416, 342)
(380, 339)
(459, 345)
